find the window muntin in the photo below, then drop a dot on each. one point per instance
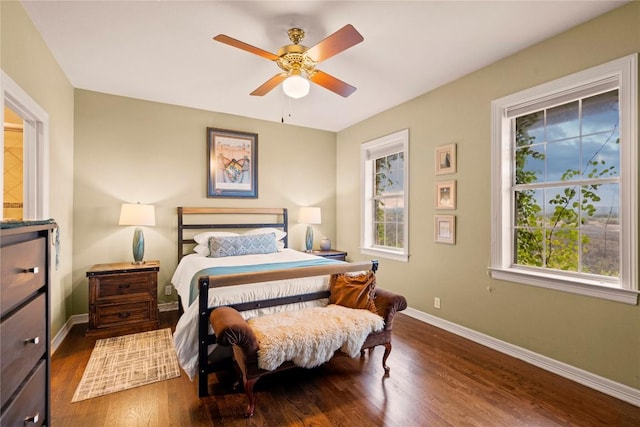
(385, 196)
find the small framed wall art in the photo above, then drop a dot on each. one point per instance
(232, 163)
(445, 229)
(446, 159)
(446, 195)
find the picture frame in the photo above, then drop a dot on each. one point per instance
(445, 229)
(446, 194)
(232, 163)
(445, 159)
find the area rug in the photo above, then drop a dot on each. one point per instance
(128, 361)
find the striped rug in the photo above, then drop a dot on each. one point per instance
(128, 361)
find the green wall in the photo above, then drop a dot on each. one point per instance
(29, 63)
(128, 150)
(598, 336)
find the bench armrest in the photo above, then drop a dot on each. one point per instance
(231, 329)
(387, 304)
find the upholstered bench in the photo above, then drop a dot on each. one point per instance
(232, 330)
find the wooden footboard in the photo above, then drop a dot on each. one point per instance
(206, 282)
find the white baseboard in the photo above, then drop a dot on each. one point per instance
(76, 319)
(596, 382)
(64, 331)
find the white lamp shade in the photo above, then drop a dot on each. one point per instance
(309, 215)
(295, 86)
(137, 214)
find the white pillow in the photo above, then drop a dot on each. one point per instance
(279, 233)
(203, 238)
(202, 250)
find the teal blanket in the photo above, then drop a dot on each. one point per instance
(219, 271)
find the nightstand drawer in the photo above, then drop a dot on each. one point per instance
(23, 271)
(113, 314)
(30, 403)
(123, 284)
(331, 254)
(23, 337)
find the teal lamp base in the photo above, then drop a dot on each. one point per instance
(138, 246)
(309, 239)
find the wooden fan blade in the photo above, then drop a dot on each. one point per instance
(333, 84)
(269, 84)
(342, 39)
(244, 46)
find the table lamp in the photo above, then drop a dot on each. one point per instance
(137, 214)
(309, 215)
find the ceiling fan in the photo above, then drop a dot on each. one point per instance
(298, 62)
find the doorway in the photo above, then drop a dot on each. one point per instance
(31, 130)
(13, 173)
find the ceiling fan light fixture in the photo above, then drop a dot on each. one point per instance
(296, 86)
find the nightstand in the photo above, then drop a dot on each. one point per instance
(123, 298)
(331, 254)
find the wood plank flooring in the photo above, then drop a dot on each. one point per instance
(437, 379)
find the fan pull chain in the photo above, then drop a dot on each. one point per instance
(282, 113)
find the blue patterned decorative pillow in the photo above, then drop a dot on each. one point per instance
(242, 245)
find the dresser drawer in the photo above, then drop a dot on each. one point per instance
(113, 314)
(19, 351)
(123, 284)
(30, 403)
(22, 271)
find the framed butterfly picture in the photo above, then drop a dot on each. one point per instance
(232, 164)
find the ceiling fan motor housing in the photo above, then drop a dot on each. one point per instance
(293, 60)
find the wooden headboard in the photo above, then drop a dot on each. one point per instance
(203, 219)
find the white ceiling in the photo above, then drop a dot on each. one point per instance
(163, 50)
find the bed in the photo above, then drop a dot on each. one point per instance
(266, 279)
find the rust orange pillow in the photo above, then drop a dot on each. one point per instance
(353, 290)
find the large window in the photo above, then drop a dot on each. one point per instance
(565, 183)
(385, 210)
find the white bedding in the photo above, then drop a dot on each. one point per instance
(186, 336)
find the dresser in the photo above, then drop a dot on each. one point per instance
(25, 350)
(123, 298)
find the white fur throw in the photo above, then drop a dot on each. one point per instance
(310, 336)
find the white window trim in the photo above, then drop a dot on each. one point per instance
(400, 139)
(625, 70)
(36, 148)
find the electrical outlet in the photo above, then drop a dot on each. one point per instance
(436, 302)
(168, 290)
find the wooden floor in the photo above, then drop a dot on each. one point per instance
(437, 379)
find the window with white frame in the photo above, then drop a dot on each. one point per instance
(565, 175)
(385, 203)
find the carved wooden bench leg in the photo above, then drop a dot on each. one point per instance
(251, 399)
(387, 351)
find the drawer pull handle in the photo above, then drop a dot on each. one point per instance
(127, 286)
(34, 270)
(32, 419)
(124, 314)
(34, 340)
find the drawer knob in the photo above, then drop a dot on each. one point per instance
(125, 286)
(34, 270)
(34, 340)
(32, 419)
(124, 314)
